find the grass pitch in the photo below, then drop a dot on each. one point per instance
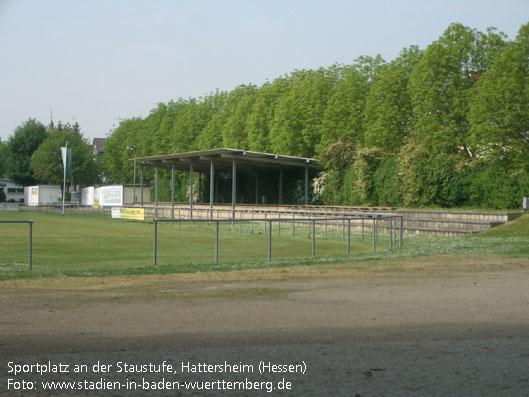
(80, 247)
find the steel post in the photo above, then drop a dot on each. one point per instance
(313, 238)
(400, 232)
(270, 241)
(155, 242)
(374, 235)
(216, 241)
(348, 237)
(31, 245)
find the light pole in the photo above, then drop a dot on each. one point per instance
(133, 148)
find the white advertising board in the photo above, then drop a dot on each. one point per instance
(111, 196)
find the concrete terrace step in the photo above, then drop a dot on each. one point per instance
(452, 223)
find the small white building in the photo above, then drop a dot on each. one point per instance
(12, 191)
(42, 195)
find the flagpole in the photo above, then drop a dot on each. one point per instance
(65, 162)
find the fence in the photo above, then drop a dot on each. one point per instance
(362, 222)
(30, 223)
(311, 222)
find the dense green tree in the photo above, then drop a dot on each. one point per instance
(117, 165)
(189, 125)
(47, 164)
(343, 116)
(261, 118)
(3, 158)
(499, 113)
(238, 107)
(299, 113)
(388, 110)
(441, 86)
(163, 137)
(20, 147)
(211, 135)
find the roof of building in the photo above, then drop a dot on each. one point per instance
(223, 159)
(97, 144)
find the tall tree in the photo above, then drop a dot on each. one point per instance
(388, 109)
(299, 114)
(116, 162)
(343, 118)
(211, 135)
(441, 86)
(46, 162)
(239, 106)
(166, 115)
(20, 147)
(3, 158)
(189, 124)
(499, 113)
(261, 118)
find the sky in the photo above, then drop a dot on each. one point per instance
(102, 61)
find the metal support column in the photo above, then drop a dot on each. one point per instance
(141, 186)
(211, 185)
(391, 234)
(233, 185)
(280, 186)
(256, 187)
(216, 241)
(374, 235)
(134, 187)
(306, 185)
(348, 237)
(172, 191)
(156, 194)
(313, 238)
(199, 186)
(30, 245)
(190, 190)
(155, 242)
(401, 231)
(269, 240)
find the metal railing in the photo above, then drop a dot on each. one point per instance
(311, 222)
(30, 223)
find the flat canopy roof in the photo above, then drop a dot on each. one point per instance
(223, 159)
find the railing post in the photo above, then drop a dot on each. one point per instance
(325, 215)
(400, 231)
(269, 240)
(362, 227)
(313, 237)
(155, 242)
(374, 235)
(216, 241)
(30, 245)
(348, 237)
(391, 234)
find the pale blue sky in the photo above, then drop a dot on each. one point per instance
(99, 61)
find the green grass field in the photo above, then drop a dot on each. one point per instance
(77, 246)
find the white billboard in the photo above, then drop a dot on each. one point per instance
(111, 196)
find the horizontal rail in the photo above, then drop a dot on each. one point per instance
(308, 221)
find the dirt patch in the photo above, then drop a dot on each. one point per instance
(361, 329)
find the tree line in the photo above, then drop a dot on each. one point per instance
(444, 126)
(32, 155)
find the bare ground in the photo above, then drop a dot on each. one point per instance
(447, 327)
